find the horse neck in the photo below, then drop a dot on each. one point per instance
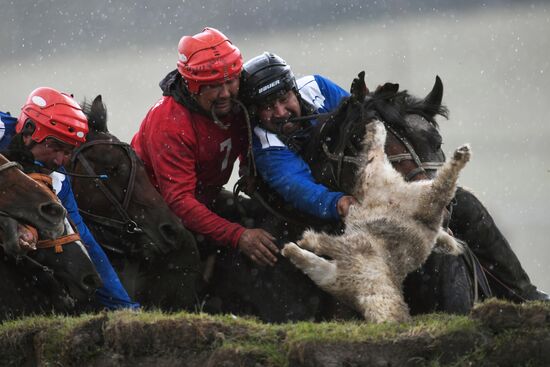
(101, 135)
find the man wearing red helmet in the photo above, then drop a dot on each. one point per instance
(192, 136)
(50, 125)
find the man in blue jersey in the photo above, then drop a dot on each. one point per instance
(50, 125)
(7, 129)
(270, 89)
(273, 96)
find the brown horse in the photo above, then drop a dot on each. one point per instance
(23, 199)
(154, 255)
(46, 279)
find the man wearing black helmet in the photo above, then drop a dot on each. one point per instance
(273, 96)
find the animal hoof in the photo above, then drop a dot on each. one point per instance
(463, 153)
(289, 249)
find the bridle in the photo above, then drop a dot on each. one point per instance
(126, 225)
(338, 157)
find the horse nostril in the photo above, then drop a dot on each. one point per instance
(92, 282)
(169, 233)
(52, 211)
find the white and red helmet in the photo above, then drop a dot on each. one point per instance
(208, 57)
(54, 114)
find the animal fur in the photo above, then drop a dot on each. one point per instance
(389, 233)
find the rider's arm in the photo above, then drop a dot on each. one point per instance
(175, 170)
(321, 92)
(112, 295)
(287, 173)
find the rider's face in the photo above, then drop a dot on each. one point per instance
(218, 95)
(52, 152)
(282, 107)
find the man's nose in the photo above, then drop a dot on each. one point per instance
(224, 91)
(61, 158)
(279, 110)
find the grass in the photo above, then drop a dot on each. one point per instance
(154, 333)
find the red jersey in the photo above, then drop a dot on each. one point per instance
(189, 158)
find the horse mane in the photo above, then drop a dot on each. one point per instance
(387, 104)
(96, 112)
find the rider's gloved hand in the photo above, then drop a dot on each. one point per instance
(258, 245)
(342, 206)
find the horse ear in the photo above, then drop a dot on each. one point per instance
(97, 100)
(436, 95)
(97, 115)
(388, 88)
(359, 88)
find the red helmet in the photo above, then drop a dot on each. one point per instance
(206, 58)
(54, 114)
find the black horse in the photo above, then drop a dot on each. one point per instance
(155, 256)
(414, 145)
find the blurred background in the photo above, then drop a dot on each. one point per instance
(494, 60)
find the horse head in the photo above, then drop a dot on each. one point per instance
(125, 212)
(413, 143)
(24, 200)
(70, 265)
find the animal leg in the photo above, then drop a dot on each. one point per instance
(321, 244)
(375, 138)
(386, 304)
(443, 187)
(321, 271)
(374, 157)
(445, 243)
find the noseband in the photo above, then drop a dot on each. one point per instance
(338, 157)
(127, 224)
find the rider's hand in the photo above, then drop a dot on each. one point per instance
(258, 245)
(342, 206)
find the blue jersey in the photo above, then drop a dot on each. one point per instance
(112, 295)
(284, 170)
(7, 129)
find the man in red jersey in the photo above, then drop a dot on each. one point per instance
(191, 137)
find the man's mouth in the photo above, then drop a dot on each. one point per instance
(222, 104)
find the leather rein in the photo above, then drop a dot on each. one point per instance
(126, 224)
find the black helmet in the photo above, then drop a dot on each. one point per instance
(263, 76)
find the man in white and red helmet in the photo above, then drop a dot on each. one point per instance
(50, 125)
(192, 136)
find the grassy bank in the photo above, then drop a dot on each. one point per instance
(496, 333)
